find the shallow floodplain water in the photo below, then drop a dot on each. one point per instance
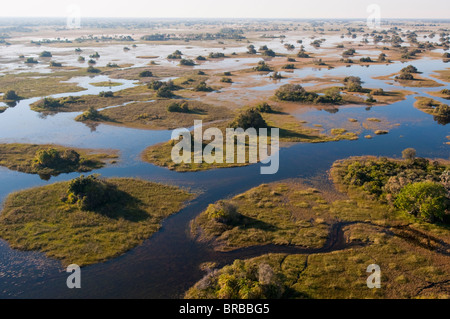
(167, 264)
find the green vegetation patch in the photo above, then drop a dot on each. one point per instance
(268, 214)
(51, 160)
(51, 219)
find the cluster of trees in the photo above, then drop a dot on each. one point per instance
(54, 159)
(95, 55)
(55, 64)
(11, 95)
(179, 107)
(216, 55)
(45, 54)
(175, 55)
(415, 185)
(407, 73)
(296, 93)
(187, 62)
(250, 118)
(91, 69)
(251, 49)
(106, 94)
(226, 80)
(289, 66)
(241, 280)
(264, 108)
(163, 89)
(90, 193)
(302, 53)
(31, 61)
(353, 84)
(349, 52)
(146, 74)
(224, 34)
(203, 87)
(90, 115)
(262, 67)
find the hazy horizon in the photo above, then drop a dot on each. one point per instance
(250, 9)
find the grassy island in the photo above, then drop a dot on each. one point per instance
(52, 160)
(88, 220)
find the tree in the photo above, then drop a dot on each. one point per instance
(427, 200)
(106, 94)
(203, 87)
(45, 54)
(187, 62)
(91, 69)
(250, 118)
(353, 83)
(89, 193)
(11, 95)
(333, 95)
(409, 154)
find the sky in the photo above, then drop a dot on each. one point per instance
(337, 9)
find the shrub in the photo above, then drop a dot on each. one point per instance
(264, 108)
(55, 64)
(106, 94)
(349, 52)
(49, 102)
(223, 212)
(289, 66)
(377, 92)
(52, 158)
(164, 92)
(366, 60)
(200, 58)
(303, 54)
(146, 74)
(409, 69)
(175, 56)
(226, 80)
(203, 87)
(11, 95)
(95, 55)
(427, 200)
(182, 107)
(216, 55)
(405, 76)
(187, 62)
(91, 69)
(31, 61)
(45, 54)
(90, 115)
(262, 67)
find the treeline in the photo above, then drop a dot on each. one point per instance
(224, 34)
